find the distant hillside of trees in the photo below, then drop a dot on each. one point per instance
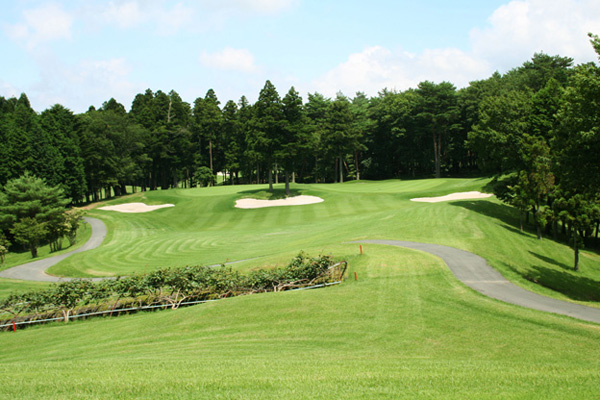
(534, 127)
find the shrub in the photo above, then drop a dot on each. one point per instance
(166, 286)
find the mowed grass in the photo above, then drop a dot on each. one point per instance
(406, 329)
(205, 228)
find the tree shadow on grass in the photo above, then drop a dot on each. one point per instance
(568, 283)
(551, 261)
(507, 216)
(264, 194)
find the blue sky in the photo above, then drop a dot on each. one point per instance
(81, 53)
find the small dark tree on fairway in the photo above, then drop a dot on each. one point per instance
(204, 176)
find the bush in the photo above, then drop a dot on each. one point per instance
(166, 286)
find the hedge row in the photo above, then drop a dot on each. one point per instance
(168, 286)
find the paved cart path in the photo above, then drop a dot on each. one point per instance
(36, 270)
(475, 272)
(472, 270)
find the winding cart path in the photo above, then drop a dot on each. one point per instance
(472, 270)
(36, 270)
(475, 272)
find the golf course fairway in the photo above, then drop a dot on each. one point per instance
(406, 328)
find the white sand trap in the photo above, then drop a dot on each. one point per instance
(290, 201)
(134, 207)
(454, 196)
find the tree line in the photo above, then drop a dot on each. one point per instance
(535, 128)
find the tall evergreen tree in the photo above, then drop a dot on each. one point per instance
(267, 127)
(438, 114)
(339, 138)
(294, 138)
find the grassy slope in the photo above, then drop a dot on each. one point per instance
(405, 329)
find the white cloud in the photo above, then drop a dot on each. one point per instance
(515, 32)
(229, 59)
(521, 28)
(170, 21)
(46, 23)
(85, 83)
(166, 16)
(264, 6)
(7, 90)
(250, 6)
(124, 14)
(377, 68)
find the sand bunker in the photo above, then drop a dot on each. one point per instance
(134, 207)
(454, 196)
(290, 201)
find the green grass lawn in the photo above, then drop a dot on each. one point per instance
(406, 329)
(205, 228)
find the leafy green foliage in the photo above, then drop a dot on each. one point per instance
(33, 211)
(169, 286)
(204, 176)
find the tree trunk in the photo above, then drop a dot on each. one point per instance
(521, 219)
(33, 249)
(257, 173)
(337, 165)
(294, 181)
(270, 178)
(210, 155)
(276, 173)
(536, 210)
(341, 169)
(576, 250)
(356, 165)
(287, 183)
(436, 153)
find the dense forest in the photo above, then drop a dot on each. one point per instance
(535, 128)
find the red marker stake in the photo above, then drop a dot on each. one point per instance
(14, 327)
(355, 278)
(361, 249)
